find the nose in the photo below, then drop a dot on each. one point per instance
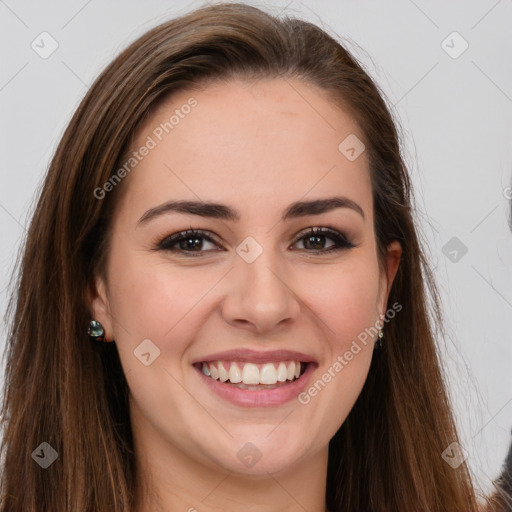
(259, 296)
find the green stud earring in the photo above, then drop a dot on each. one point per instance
(96, 332)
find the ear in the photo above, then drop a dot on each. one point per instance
(100, 306)
(391, 263)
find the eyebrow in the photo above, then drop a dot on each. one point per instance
(224, 212)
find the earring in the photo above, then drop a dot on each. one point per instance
(96, 332)
(378, 342)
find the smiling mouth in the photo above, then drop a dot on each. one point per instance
(252, 376)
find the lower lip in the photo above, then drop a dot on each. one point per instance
(256, 398)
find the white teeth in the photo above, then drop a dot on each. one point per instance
(214, 373)
(223, 374)
(235, 375)
(252, 374)
(268, 374)
(282, 372)
(290, 373)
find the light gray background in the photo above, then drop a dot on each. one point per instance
(456, 115)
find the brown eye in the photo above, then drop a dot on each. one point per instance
(187, 242)
(313, 239)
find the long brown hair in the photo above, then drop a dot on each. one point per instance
(387, 455)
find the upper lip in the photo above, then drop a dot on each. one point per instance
(256, 356)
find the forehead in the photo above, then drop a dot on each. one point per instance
(272, 141)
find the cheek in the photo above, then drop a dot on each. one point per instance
(346, 301)
(151, 297)
(352, 316)
(345, 298)
(161, 303)
(356, 308)
(346, 304)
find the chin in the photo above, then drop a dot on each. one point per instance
(261, 454)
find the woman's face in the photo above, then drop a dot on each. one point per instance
(254, 289)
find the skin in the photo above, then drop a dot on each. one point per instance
(256, 147)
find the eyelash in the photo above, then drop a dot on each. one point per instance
(168, 242)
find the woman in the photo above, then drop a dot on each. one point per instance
(289, 363)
